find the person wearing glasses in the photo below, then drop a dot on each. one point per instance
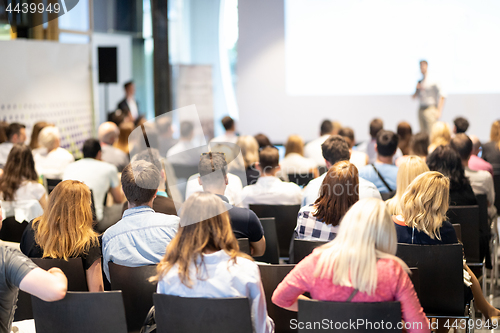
(269, 189)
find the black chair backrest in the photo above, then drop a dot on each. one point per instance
(271, 276)
(286, 220)
(343, 313)
(175, 314)
(272, 254)
(52, 183)
(458, 231)
(415, 279)
(440, 270)
(137, 291)
(244, 244)
(468, 218)
(302, 248)
(81, 312)
(301, 179)
(496, 183)
(11, 230)
(77, 281)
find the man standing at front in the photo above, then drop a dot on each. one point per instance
(431, 98)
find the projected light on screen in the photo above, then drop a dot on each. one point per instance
(362, 47)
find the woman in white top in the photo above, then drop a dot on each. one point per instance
(19, 186)
(50, 159)
(203, 260)
(294, 161)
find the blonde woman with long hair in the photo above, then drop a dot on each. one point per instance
(65, 231)
(359, 264)
(491, 150)
(408, 170)
(203, 260)
(250, 152)
(423, 221)
(440, 135)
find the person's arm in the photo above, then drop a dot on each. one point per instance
(43, 202)
(48, 285)
(117, 194)
(94, 277)
(258, 248)
(415, 95)
(255, 233)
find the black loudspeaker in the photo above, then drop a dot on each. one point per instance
(108, 66)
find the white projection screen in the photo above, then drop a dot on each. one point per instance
(301, 61)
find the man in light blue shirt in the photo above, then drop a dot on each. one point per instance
(141, 236)
(383, 172)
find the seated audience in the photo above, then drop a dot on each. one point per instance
(491, 150)
(339, 191)
(166, 132)
(480, 181)
(404, 133)
(203, 260)
(460, 125)
(230, 131)
(475, 162)
(141, 236)
(180, 152)
(408, 170)
(50, 159)
(100, 177)
(35, 132)
(108, 132)
(250, 152)
(358, 158)
(19, 272)
(312, 149)
(245, 224)
(21, 194)
(294, 162)
(65, 231)
(368, 147)
(440, 135)
(122, 143)
(359, 265)
(419, 146)
(269, 189)
(423, 221)
(383, 172)
(16, 133)
(446, 160)
(336, 149)
(262, 140)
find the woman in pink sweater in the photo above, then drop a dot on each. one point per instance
(361, 257)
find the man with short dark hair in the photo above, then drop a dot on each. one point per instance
(141, 237)
(269, 189)
(100, 177)
(336, 149)
(480, 181)
(383, 172)
(16, 133)
(230, 127)
(358, 158)
(312, 149)
(461, 125)
(368, 147)
(183, 152)
(245, 224)
(128, 105)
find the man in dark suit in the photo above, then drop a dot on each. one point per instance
(129, 105)
(162, 203)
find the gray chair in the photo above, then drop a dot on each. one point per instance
(302, 248)
(244, 244)
(272, 254)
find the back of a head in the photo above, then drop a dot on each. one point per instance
(425, 202)
(3, 131)
(404, 130)
(461, 124)
(151, 155)
(35, 132)
(463, 145)
(446, 160)
(326, 127)
(108, 132)
(376, 125)
(212, 169)
(125, 129)
(476, 144)
(65, 229)
(249, 149)
(294, 144)
(140, 181)
(366, 234)
(187, 129)
(262, 140)
(91, 148)
(419, 144)
(440, 134)
(269, 159)
(228, 123)
(335, 149)
(348, 134)
(338, 192)
(13, 129)
(19, 167)
(387, 143)
(49, 137)
(495, 133)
